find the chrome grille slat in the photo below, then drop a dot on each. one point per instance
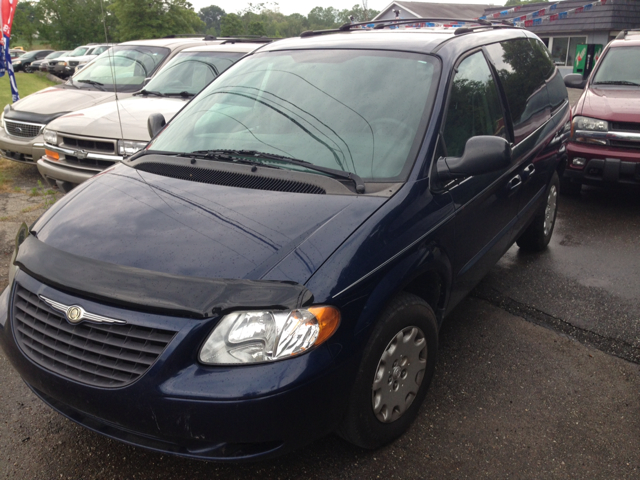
(96, 354)
(22, 129)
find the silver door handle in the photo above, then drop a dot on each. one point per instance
(515, 182)
(529, 170)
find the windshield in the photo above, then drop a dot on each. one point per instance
(78, 51)
(358, 111)
(619, 66)
(129, 65)
(190, 72)
(55, 54)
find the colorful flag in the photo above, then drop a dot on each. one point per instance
(8, 11)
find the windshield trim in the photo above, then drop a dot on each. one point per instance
(422, 125)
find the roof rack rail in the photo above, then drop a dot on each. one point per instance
(186, 35)
(625, 32)
(379, 24)
(246, 39)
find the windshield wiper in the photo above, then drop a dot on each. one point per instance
(340, 174)
(183, 94)
(224, 156)
(149, 92)
(92, 82)
(616, 82)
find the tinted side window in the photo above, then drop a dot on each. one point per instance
(474, 106)
(523, 67)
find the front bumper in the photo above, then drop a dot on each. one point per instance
(61, 70)
(23, 150)
(181, 407)
(603, 165)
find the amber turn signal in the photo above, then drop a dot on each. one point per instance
(51, 154)
(328, 321)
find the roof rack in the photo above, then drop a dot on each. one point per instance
(379, 24)
(246, 39)
(624, 33)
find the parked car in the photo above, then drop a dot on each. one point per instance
(133, 63)
(277, 263)
(65, 66)
(605, 131)
(23, 61)
(41, 65)
(86, 142)
(15, 53)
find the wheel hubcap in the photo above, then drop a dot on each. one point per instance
(550, 211)
(399, 374)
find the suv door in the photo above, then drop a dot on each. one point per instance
(485, 209)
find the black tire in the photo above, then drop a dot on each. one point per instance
(538, 234)
(569, 188)
(413, 317)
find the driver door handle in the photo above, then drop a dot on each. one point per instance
(529, 170)
(515, 182)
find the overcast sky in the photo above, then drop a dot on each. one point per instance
(304, 6)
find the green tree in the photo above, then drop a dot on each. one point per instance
(231, 25)
(25, 23)
(358, 14)
(257, 28)
(211, 17)
(143, 19)
(322, 18)
(65, 24)
(512, 3)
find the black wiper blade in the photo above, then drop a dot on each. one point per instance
(223, 155)
(616, 82)
(183, 94)
(149, 92)
(92, 82)
(335, 173)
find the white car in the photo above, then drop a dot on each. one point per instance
(83, 143)
(66, 66)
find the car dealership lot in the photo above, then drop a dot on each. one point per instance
(510, 398)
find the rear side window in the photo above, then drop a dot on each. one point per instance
(524, 67)
(474, 106)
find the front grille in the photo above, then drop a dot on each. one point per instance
(624, 144)
(20, 129)
(625, 126)
(94, 354)
(89, 145)
(73, 63)
(229, 179)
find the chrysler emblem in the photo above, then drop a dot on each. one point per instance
(76, 314)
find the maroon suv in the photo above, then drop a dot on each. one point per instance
(605, 129)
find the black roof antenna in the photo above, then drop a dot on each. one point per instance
(113, 72)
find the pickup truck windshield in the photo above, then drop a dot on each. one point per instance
(124, 67)
(359, 111)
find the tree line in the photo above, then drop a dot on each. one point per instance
(65, 24)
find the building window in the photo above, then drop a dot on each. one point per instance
(563, 49)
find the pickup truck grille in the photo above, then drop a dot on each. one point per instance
(89, 353)
(625, 127)
(90, 145)
(21, 129)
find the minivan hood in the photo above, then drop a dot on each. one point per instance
(133, 218)
(113, 120)
(62, 98)
(620, 104)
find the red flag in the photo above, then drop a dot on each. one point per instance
(8, 11)
(528, 23)
(579, 10)
(553, 17)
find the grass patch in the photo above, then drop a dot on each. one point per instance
(28, 83)
(8, 172)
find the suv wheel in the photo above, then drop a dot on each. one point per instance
(537, 235)
(395, 373)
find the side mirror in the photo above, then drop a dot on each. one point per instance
(482, 154)
(155, 123)
(574, 80)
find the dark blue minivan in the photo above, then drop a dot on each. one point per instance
(276, 264)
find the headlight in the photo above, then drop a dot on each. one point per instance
(17, 62)
(2, 120)
(50, 137)
(129, 147)
(593, 124)
(266, 336)
(62, 64)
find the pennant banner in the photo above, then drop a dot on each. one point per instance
(543, 15)
(8, 10)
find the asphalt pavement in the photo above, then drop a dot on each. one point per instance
(538, 376)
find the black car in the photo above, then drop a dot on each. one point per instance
(42, 64)
(24, 61)
(277, 263)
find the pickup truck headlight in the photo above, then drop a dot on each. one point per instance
(63, 64)
(50, 137)
(591, 124)
(266, 336)
(129, 147)
(589, 130)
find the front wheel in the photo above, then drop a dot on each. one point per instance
(395, 373)
(537, 235)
